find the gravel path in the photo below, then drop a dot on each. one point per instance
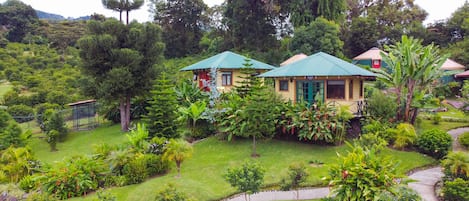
(424, 184)
(313, 193)
(455, 133)
(426, 179)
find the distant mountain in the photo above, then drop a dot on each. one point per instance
(48, 16)
(55, 17)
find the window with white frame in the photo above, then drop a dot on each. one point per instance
(226, 78)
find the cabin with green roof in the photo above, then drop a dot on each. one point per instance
(227, 66)
(322, 77)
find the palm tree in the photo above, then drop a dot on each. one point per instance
(177, 151)
(457, 163)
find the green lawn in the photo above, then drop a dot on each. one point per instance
(427, 124)
(453, 112)
(4, 87)
(202, 174)
(76, 143)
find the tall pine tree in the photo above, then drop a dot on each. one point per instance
(162, 115)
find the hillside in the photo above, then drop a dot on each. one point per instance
(55, 17)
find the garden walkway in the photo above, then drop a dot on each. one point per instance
(424, 185)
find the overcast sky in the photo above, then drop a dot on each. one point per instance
(437, 9)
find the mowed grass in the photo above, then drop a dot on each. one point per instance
(446, 126)
(4, 87)
(202, 175)
(76, 143)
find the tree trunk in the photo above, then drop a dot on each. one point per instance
(127, 112)
(178, 165)
(410, 94)
(122, 114)
(414, 116)
(254, 153)
(120, 16)
(127, 20)
(398, 100)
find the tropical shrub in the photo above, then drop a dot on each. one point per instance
(52, 138)
(456, 190)
(436, 118)
(371, 141)
(405, 135)
(248, 178)
(135, 170)
(105, 196)
(187, 92)
(118, 158)
(101, 151)
(170, 193)
(16, 163)
(400, 193)
(464, 139)
(296, 175)
(362, 175)
(10, 132)
(54, 121)
(137, 138)
(378, 127)
(42, 196)
(157, 145)
(21, 113)
(178, 151)
(456, 165)
(255, 116)
(192, 114)
(27, 183)
(73, 177)
(318, 123)
(381, 106)
(40, 111)
(434, 142)
(156, 164)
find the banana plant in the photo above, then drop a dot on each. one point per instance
(193, 113)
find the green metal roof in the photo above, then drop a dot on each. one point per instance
(226, 60)
(319, 64)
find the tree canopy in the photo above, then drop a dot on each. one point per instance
(120, 61)
(182, 22)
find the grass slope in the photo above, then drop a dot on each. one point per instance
(446, 126)
(76, 143)
(4, 87)
(202, 174)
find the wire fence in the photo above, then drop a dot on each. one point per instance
(77, 118)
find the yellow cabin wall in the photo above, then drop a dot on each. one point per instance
(290, 95)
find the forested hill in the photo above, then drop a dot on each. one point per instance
(55, 17)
